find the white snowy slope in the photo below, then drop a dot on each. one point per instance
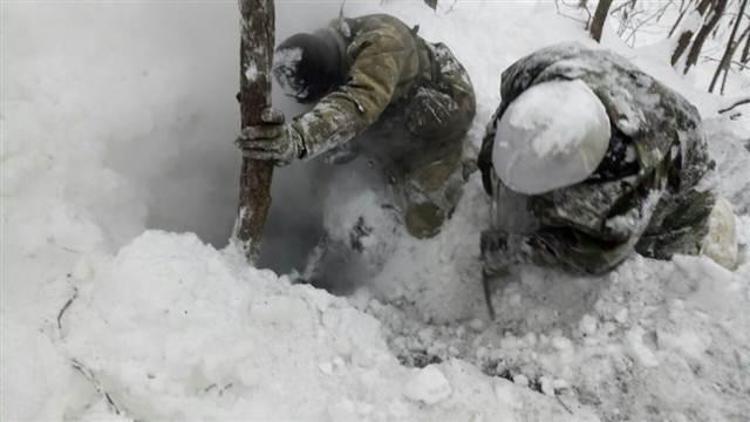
(119, 116)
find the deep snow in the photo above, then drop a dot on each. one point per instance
(117, 117)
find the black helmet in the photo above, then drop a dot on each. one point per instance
(308, 66)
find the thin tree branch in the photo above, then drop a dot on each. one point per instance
(734, 105)
(731, 47)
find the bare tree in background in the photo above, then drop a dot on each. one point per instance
(600, 16)
(687, 30)
(635, 16)
(732, 44)
(717, 11)
(685, 7)
(696, 25)
(575, 6)
(690, 38)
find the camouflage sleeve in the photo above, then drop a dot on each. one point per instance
(588, 228)
(563, 248)
(350, 109)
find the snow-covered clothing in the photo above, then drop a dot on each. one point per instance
(410, 92)
(387, 64)
(644, 196)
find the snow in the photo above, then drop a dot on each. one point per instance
(120, 117)
(251, 73)
(428, 385)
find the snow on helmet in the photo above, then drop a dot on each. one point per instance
(553, 135)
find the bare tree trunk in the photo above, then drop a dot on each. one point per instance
(726, 66)
(716, 12)
(679, 19)
(746, 52)
(600, 16)
(682, 44)
(256, 56)
(683, 40)
(731, 47)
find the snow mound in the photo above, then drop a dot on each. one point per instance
(428, 385)
(553, 135)
(103, 321)
(172, 318)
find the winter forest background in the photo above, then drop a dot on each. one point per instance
(119, 190)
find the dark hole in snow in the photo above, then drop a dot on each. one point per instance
(419, 359)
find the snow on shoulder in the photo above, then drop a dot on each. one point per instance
(553, 135)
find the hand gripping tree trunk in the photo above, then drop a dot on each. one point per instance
(256, 56)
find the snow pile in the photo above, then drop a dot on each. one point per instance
(116, 126)
(171, 329)
(650, 340)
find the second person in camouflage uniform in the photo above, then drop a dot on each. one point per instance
(643, 196)
(373, 73)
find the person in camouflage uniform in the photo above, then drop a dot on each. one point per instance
(644, 195)
(374, 74)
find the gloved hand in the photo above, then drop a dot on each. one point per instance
(273, 140)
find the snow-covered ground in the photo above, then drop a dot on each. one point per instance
(119, 116)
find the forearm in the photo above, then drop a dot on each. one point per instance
(567, 243)
(327, 126)
(354, 106)
(572, 251)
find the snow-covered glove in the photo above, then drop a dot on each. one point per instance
(273, 140)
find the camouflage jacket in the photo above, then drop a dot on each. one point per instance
(656, 158)
(384, 59)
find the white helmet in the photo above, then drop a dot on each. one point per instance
(553, 135)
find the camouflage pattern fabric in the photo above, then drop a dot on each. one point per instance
(427, 172)
(414, 100)
(383, 61)
(644, 196)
